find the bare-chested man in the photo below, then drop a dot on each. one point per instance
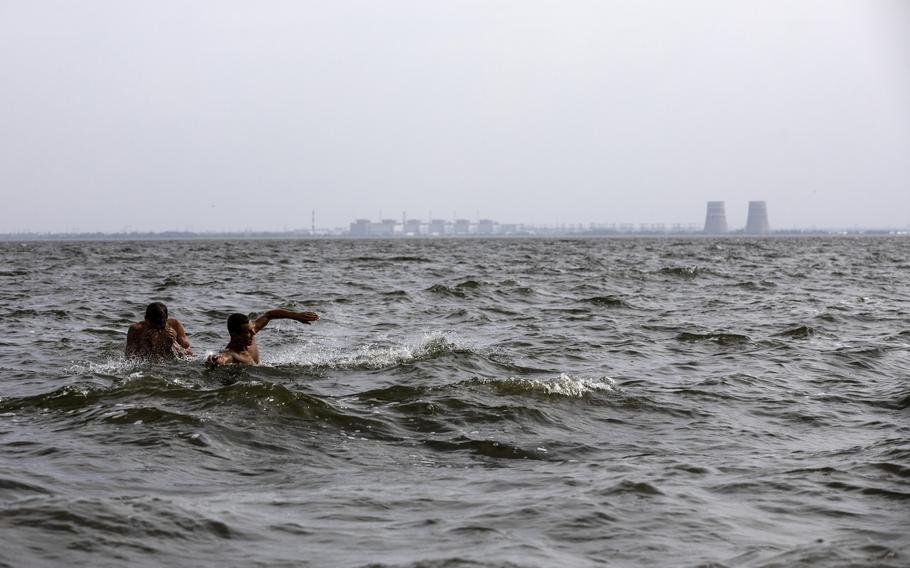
(242, 348)
(157, 337)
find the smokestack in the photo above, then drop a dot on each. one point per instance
(716, 219)
(757, 221)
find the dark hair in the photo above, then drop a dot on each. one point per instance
(235, 323)
(156, 315)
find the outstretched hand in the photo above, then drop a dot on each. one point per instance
(307, 317)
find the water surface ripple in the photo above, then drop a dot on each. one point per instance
(622, 402)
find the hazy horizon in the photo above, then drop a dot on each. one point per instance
(230, 116)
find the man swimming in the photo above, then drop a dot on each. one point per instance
(157, 337)
(242, 348)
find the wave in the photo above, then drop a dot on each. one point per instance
(717, 337)
(637, 488)
(606, 302)
(752, 285)
(170, 282)
(469, 285)
(444, 290)
(269, 398)
(119, 366)
(30, 313)
(487, 448)
(154, 400)
(453, 407)
(142, 414)
(896, 469)
(13, 273)
(563, 385)
(799, 332)
(686, 272)
(79, 396)
(125, 520)
(395, 393)
(402, 258)
(371, 357)
(407, 258)
(395, 294)
(9, 485)
(459, 290)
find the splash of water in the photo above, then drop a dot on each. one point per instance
(370, 356)
(563, 385)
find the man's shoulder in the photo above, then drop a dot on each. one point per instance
(138, 326)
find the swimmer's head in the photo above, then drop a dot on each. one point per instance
(156, 315)
(241, 329)
(236, 322)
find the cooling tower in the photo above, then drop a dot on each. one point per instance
(716, 219)
(757, 221)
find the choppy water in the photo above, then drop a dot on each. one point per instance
(657, 402)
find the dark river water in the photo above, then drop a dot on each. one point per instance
(461, 403)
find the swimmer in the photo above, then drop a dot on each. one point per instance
(242, 348)
(157, 337)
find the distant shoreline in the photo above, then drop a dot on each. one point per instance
(291, 235)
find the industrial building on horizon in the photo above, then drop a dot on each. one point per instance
(434, 227)
(490, 227)
(715, 224)
(716, 218)
(756, 219)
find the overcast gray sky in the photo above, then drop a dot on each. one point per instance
(225, 115)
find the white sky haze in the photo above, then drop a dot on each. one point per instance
(219, 115)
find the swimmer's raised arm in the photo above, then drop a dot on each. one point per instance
(264, 319)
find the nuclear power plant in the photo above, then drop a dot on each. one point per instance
(716, 219)
(756, 220)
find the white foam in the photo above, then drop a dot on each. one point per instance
(120, 365)
(369, 356)
(126, 368)
(563, 385)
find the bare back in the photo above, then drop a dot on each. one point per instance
(170, 342)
